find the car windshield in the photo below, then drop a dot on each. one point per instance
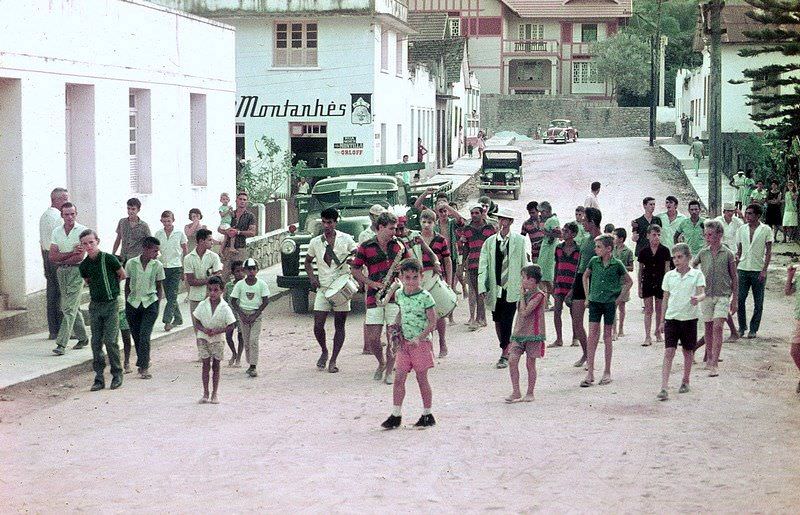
(501, 156)
(559, 124)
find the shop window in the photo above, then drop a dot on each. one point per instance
(295, 45)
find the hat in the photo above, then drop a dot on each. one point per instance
(250, 263)
(728, 206)
(475, 206)
(376, 209)
(740, 172)
(504, 212)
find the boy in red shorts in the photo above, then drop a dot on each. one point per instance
(411, 333)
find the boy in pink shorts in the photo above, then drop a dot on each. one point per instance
(528, 336)
(410, 334)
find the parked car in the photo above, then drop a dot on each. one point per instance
(560, 130)
(352, 195)
(501, 170)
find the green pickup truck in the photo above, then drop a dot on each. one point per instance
(351, 190)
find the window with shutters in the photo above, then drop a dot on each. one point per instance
(134, 164)
(384, 50)
(139, 177)
(588, 32)
(295, 45)
(531, 31)
(398, 55)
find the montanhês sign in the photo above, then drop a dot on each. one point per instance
(250, 107)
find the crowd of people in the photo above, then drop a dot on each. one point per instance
(689, 270)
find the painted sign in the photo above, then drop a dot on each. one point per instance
(361, 108)
(249, 106)
(349, 146)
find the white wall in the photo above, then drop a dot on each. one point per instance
(422, 105)
(108, 47)
(391, 95)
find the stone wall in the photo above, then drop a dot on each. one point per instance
(593, 119)
(266, 249)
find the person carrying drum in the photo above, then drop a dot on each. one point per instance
(331, 250)
(436, 265)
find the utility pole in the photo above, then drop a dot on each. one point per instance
(655, 47)
(713, 14)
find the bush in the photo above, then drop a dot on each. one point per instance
(764, 154)
(268, 173)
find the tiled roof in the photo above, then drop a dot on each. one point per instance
(429, 52)
(735, 22)
(427, 25)
(571, 8)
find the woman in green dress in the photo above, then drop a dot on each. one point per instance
(790, 212)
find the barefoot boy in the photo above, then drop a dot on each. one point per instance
(212, 319)
(102, 273)
(249, 298)
(529, 333)
(624, 254)
(684, 290)
(237, 274)
(567, 257)
(412, 329)
(607, 282)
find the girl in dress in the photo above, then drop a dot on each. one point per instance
(790, 211)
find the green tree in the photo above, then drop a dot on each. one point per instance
(776, 87)
(268, 173)
(623, 61)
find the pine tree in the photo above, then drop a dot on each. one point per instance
(780, 34)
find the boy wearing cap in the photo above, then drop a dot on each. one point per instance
(502, 258)
(249, 298)
(369, 232)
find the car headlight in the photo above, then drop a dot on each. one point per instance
(509, 175)
(288, 247)
(490, 176)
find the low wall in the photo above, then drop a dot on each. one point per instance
(266, 249)
(524, 113)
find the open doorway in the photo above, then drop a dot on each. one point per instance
(309, 143)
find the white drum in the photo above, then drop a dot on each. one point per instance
(444, 297)
(341, 290)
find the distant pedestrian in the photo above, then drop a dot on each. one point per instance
(754, 253)
(690, 231)
(790, 289)
(608, 283)
(698, 151)
(529, 333)
(212, 319)
(591, 200)
(567, 258)
(684, 290)
(758, 195)
(790, 212)
(102, 273)
(303, 188)
(744, 185)
(532, 228)
(654, 263)
(131, 232)
(730, 224)
(421, 151)
(50, 219)
(684, 129)
(174, 247)
(625, 255)
(144, 289)
(225, 211)
(643, 223)
(580, 217)
(66, 253)
(774, 202)
(473, 236)
(237, 274)
(481, 143)
(250, 297)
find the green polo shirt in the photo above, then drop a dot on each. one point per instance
(587, 252)
(606, 281)
(101, 273)
(143, 291)
(692, 234)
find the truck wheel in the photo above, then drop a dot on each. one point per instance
(516, 194)
(300, 301)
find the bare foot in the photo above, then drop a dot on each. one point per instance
(482, 323)
(659, 337)
(621, 334)
(579, 363)
(647, 342)
(471, 321)
(231, 362)
(514, 397)
(214, 400)
(127, 369)
(379, 372)
(575, 342)
(557, 343)
(203, 400)
(733, 337)
(528, 398)
(238, 363)
(606, 379)
(443, 352)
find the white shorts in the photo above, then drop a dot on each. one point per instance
(715, 307)
(385, 315)
(321, 303)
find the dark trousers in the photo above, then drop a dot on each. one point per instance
(172, 282)
(104, 321)
(747, 281)
(53, 296)
(141, 321)
(503, 316)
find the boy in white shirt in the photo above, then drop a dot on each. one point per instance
(198, 267)
(212, 319)
(249, 298)
(684, 290)
(174, 247)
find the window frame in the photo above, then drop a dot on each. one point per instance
(584, 26)
(295, 44)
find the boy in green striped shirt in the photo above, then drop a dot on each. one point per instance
(102, 273)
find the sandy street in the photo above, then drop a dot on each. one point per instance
(295, 439)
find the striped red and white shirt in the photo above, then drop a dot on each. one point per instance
(378, 262)
(566, 269)
(439, 247)
(472, 239)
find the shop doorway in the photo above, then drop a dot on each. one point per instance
(12, 257)
(309, 143)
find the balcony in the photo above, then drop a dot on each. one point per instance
(581, 49)
(531, 47)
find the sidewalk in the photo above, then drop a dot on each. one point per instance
(680, 154)
(31, 356)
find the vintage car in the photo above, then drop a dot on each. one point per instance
(352, 195)
(501, 170)
(560, 130)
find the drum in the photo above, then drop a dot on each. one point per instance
(444, 297)
(341, 290)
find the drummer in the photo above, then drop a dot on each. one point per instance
(436, 263)
(331, 250)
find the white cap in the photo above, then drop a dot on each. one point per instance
(376, 209)
(250, 263)
(504, 212)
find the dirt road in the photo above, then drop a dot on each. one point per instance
(298, 439)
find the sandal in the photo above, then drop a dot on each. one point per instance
(586, 383)
(604, 381)
(332, 368)
(511, 399)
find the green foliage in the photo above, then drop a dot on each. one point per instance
(623, 61)
(778, 112)
(764, 154)
(269, 172)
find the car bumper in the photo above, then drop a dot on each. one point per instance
(500, 187)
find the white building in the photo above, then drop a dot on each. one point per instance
(112, 99)
(325, 79)
(691, 86)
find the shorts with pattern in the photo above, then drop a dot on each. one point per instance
(533, 345)
(382, 315)
(715, 307)
(206, 349)
(418, 358)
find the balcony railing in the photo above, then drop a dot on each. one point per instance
(531, 46)
(581, 48)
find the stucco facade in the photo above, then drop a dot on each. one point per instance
(111, 99)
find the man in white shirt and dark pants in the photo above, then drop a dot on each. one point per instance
(754, 251)
(49, 220)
